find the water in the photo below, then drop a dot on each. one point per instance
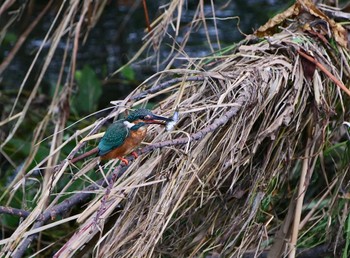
(112, 43)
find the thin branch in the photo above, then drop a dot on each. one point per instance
(146, 15)
(324, 69)
(6, 6)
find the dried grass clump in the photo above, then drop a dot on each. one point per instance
(250, 123)
(258, 122)
(237, 174)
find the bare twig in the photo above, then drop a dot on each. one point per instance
(324, 69)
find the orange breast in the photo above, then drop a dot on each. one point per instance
(133, 141)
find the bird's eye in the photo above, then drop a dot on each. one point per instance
(148, 117)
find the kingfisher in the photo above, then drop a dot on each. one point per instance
(125, 135)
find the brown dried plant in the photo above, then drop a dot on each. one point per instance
(236, 175)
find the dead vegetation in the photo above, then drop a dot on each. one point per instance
(256, 163)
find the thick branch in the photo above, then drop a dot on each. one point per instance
(14, 211)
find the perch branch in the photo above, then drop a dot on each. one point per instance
(14, 211)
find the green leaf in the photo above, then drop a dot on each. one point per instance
(10, 38)
(22, 148)
(128, 73)
(89, 92)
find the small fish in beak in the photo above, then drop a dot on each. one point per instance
(173, 121)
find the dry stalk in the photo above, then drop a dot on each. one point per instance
(300, 199)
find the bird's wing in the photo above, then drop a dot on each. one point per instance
(113, 138)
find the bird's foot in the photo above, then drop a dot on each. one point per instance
(125, 161)
(135, 154)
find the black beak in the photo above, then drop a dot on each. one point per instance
(161, 120)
